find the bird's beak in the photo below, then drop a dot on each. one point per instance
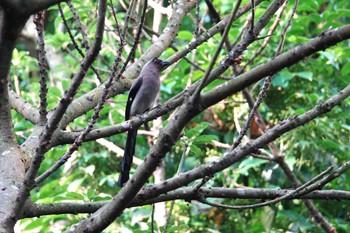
(165, 64)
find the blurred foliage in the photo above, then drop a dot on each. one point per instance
(91, 173)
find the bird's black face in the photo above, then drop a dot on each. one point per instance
(161, 64)
(165, 64)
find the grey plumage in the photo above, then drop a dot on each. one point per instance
(141, 97)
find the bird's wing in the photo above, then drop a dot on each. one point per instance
(132, 94)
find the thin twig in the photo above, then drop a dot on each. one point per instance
(39, 21)
(149, 30)
(127, 18)
(81, 27)
(285, 28)
(264, 88)
(152, 218)
(253, 17)
(182, 160)
(297, 192)
(268, 37)
(217, 52)
(115, 19)
(196, 29)
(326, 179)
(70, 34)
(186, 193)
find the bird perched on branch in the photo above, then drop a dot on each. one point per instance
(141, 97)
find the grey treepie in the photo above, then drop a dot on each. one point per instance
(142, 95)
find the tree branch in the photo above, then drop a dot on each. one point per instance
(188, 194)
(39, 21)
(11, 163)
(28, 7)
(28, 111)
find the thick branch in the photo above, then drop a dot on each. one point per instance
(11, 164)
(188, 194)
(28, 7)
(20, 105)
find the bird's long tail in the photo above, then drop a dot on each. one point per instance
(129, 152)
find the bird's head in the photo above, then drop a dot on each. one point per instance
(159, 64)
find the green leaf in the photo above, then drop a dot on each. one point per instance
(59, 198)
(75, 196)
(197, 130)
(69, 196)
(55, 91)
(75, 185)
(139, 214)
(195, 149)
(330, 145)
(345, 70)
(16, 59)
(345, 126)
(290, 161)
(249, 163)
(331, 58)
(305, 75)
(282, 78)
(102, 198)
(185, 35)
(203, 139)
(91, 193)
(267, 218)
(34, 224)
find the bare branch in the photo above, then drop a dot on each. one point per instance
(85, 42)
(266, 85)
(28, 111)
(187, 194)
(268, 37)
(81, 27)
(216, 54)
(39, 21)
(299, 191)
(28, 7)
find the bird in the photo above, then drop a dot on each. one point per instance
(142, 95)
